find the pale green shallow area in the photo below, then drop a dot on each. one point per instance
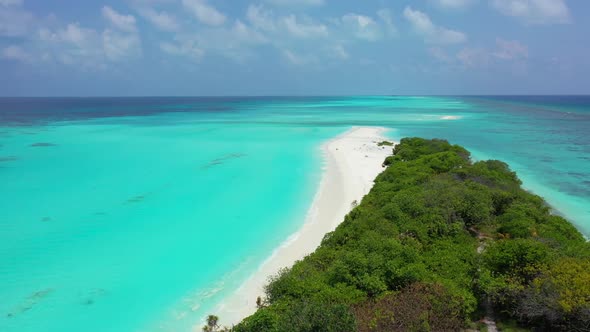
(128, 227)
(144, 223)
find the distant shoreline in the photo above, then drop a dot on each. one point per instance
(351, 163)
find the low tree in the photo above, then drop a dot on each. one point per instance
(212, 325)
(559, 299)
(418, 307)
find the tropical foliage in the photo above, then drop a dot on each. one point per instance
(438, 238)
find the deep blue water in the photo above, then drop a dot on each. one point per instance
(141, 214)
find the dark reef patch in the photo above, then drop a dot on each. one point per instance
(31, 301)
(547, 159)
(46, 219)
(578, 175)
(8, 159)
(137, 199)
(222, 160)
(92, 296)
(42, 144)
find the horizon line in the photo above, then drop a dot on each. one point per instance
(310, 95)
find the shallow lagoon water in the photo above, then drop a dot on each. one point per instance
(140, 214)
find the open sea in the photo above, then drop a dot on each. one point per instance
(141, 214)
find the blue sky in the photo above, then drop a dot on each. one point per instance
(293, 47)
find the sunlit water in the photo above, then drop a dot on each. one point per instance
(142, 214)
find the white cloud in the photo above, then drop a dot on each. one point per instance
(123, 41)
(160, 20)
(72, 34)
(204, 12)
(47, 40)
(187, 48)
(152, 2)
(14, 52)
(291, 25)
(505, 51)
(87, 48)
(73, 45)
(281, 30)
(510, 50)
(11, 2)
(246, 34)
(290, 34)
(339, 52)
(261, 18)
(446, 36)
(453, 4)
(534, 11)
(234, 42)
(118, 46)
(286, 32)
(14, 21)
(119, 21)
(386, 16)
(363, 27)
(298, 59)
(304, 29)
(473, 57)
(432, 33)
(296, 2)
(419, 20)
(439, 54)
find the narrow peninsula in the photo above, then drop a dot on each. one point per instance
(440, 243)
(351, 163)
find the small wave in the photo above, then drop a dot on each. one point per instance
(450, 117)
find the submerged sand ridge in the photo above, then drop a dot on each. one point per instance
(352, 161)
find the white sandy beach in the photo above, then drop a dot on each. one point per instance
(352, 161)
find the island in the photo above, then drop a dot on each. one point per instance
(440, 243)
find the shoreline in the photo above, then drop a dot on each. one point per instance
(351, 161)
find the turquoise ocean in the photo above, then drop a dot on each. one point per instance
(141, 214)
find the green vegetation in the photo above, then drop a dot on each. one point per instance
(385, 143)
(436, 242)
(212, 325)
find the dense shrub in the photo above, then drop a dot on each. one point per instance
(436, 238)
(418, 307)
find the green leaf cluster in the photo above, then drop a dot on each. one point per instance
(437, 237)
